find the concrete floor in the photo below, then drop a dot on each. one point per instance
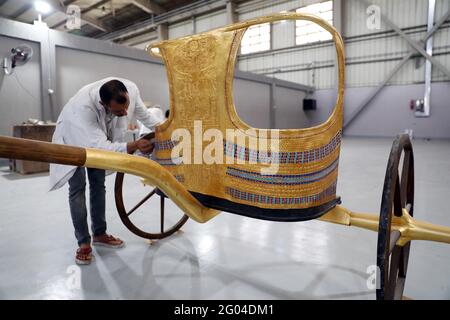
(230, 257)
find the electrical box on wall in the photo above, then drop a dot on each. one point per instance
(309, 104)
(420, 108)
(417, 105)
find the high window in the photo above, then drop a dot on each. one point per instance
(308, 32)
(256, 39)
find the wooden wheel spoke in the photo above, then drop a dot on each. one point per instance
(403, 268)
(407, 181)
(405, 178)
(393, 272)
(141, 202)
(395, 235)
(162, 214)
(397, 199)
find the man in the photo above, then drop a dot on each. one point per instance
(96, 117)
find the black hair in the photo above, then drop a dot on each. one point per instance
(167, 113)
(113, 90)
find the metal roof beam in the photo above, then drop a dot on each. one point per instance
(148, 6)
(182, 13)
(20, 11)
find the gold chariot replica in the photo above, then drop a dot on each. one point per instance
(200, 72)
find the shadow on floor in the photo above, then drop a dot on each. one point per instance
(150, 283)
(126, 282)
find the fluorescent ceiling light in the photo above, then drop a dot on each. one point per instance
(42, 7)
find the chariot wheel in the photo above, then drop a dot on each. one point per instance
(398, 195)
(139, 215)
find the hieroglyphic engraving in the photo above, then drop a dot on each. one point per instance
(196, 79)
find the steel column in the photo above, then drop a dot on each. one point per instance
(428, 66)
(231, 12)
(273, 107)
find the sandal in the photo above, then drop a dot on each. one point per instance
(109, 241)
(84, 256)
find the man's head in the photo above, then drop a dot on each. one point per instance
(114, 97)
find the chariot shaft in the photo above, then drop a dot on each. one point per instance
(152, 173)
(409, 228)
(32, 150)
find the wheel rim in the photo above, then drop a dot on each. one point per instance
(125, 215)
(398, 194)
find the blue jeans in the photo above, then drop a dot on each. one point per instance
(77, 203)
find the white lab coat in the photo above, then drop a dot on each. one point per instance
(83, 122)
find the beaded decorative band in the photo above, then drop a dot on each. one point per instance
(169, 161)
(238, 152)
(283, 179)
(258, 198)
(164, 145)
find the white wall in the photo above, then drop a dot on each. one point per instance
(20, 93)
(390, 114)
(289, 112)
(210, 21)
(252, 102)
(181, 29)
(75, 68)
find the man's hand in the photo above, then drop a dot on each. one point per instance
(143, 145)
